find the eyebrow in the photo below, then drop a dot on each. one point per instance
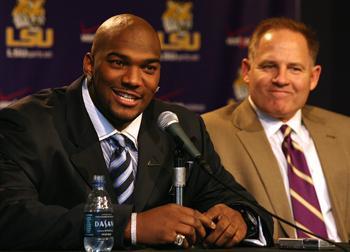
(124, 57)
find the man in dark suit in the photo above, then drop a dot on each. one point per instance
(280, 72)
(53, 142)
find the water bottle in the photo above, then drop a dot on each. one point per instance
(98, 218)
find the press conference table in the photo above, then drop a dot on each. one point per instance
(239, 249)
(264, 249)
(252, 249)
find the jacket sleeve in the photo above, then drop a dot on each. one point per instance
(219, 186)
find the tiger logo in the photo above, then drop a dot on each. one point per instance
(177, 17)
(240, 88)
(29, 14)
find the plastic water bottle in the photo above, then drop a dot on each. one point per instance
(98, 218)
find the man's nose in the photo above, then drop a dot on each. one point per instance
(281, 76)
(132, 76)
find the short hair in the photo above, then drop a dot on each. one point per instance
(279, 23)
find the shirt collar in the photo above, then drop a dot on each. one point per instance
(272, 125)
(103, 127)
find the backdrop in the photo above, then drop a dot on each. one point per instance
(203, 43)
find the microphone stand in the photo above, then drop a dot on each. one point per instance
(179, 177)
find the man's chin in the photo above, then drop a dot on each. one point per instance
(281, 115)
(125, 115)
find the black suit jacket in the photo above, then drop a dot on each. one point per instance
(49, 152)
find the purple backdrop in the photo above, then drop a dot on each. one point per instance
(203, 43)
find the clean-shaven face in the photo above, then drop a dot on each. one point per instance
(281, 74)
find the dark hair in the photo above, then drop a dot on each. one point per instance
(279, 23)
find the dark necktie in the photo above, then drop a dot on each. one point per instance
(306, 208)
(121, 170)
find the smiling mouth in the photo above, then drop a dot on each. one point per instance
(127, 97)
(280, 92)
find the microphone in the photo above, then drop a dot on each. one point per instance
(169, 122)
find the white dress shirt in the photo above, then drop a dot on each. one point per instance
(300, 135)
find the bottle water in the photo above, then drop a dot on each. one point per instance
(98, 218)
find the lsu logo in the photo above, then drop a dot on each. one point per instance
(29, 17)
(177, 23)
(29, 13)
(177, 17)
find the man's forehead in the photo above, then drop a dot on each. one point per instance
(125, 29)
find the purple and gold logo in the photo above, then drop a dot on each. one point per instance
(177, 36)
(28, 38)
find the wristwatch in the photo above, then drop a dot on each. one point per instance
(252, 223)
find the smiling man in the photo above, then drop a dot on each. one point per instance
(294, 158)
(53, 142)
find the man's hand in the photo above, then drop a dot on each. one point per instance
(161, 225)
(230, 227)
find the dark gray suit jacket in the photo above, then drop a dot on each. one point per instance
(49, 152)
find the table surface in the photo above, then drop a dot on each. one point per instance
(346, 246)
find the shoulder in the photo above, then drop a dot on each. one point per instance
(185, 116)
(42, 104)
(33, 107)
(326, 117)
(159, 106)
(327, 120)
(220, 115)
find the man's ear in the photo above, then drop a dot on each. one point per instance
(315, 76)
(88, 65)
(245, 68)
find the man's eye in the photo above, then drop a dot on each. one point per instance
(150, 69)
(296, 69)
(267, 66)
(117, 63)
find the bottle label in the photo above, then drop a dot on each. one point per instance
(98, 224)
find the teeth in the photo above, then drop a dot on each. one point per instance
(127, 96)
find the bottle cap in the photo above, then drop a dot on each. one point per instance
(98, 180)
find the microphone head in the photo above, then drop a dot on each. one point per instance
(167, 118)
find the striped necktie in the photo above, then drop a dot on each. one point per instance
(121, 169)
(306, 208)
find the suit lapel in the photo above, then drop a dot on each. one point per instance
(153, 147)
(332, 160)
(87, 155)
(89, 161)
(253, 138)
